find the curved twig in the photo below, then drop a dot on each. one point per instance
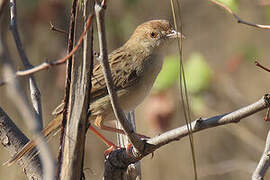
(239, 20)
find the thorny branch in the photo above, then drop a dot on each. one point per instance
(239, 20)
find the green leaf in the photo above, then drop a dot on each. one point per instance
(198, 73)
(168, 75)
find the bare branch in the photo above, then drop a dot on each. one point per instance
(239, 20)
(13, 140)
(11, 137)
(119, 114)
(118, 160)
(34, 91)
(264, 163)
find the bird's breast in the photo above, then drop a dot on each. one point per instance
(137, 93)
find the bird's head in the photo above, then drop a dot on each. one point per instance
(152, 35)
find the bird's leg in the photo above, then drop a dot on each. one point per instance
(100, 124)
(111, 145)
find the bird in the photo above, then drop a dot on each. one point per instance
(134, 67)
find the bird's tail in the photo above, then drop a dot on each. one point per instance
(52, 128)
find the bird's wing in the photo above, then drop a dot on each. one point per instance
(124, 74)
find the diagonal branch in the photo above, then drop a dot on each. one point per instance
(119, 114)
(13, 140)
(118, 160)
(239, 20)
(34, 91)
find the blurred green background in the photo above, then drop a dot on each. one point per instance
(221, 77)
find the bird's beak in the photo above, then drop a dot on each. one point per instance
(174, 34)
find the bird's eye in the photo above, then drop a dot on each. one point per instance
(153, 34)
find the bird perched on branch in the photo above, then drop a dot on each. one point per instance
(134, 68)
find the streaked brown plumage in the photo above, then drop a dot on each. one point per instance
(134, 67)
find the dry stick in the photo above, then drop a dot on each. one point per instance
(47, 65)
(119, 114)
(239, 20)
(261, 66)
(121, 160)
(53, 28)
(264, 163)
(11, 137)
(183, 87)
(34, 91)
(76, 124)
(71, 43)
(266, 118)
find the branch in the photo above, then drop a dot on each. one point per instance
(239, 20)
(118, 160)
(264, 163)
(11, 137)
(34, 91)
(47, 65)
(72, 155)
(15, 93)
(103, 57)
(13, 140)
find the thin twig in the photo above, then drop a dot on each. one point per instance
(47, 65)
(34, 91)
(119, 114)
(11, 137)
(239, 20)
(71, 42)
(53, 28)
(183, 87)
(261, 66)
(34, 121)
(264, 163)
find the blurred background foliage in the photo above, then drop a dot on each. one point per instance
(221, 77)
